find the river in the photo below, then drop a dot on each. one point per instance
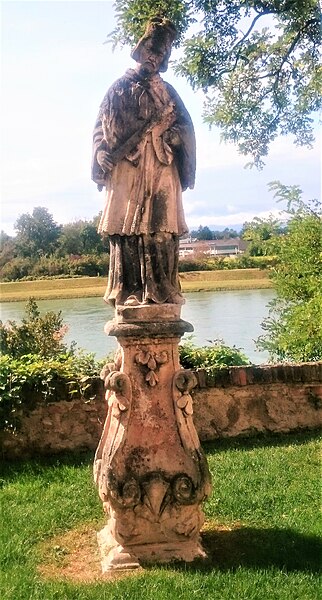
(234, 316)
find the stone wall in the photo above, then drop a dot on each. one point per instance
(251, 400)
(236, 401)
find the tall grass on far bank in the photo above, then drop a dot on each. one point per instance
(261, 531)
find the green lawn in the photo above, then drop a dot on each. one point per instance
(261, 528)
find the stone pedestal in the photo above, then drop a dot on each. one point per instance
(150, 470)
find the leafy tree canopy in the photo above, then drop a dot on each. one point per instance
(204, 233)
(262, 236)
(294, 326)
(37, 233)
(256, 60)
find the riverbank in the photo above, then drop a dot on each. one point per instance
(87, 287)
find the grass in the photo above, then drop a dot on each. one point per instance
(261, 528)
(85, 287)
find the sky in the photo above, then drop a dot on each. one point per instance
(55, 70)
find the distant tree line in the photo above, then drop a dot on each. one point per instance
(42, 248)
(205, 233)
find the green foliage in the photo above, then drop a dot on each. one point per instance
(34, 377)
(257, 62)
(43, 249)
(204, 233)
(211, 357)
(37, 233)
(80, 238)
(36, 364)
(55, 266)
(294, 325)
(36, 334)
(16, 268)
(132, 17)
(91, 265)
(262, 235)
(294, 330)
(7, 248)
(204, 263)
(255, 262)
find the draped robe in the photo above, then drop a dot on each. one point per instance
(143, 214)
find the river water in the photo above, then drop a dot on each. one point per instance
(234, 316)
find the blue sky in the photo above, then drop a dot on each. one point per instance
(55, 72)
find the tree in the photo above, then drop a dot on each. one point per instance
(37, 233)
(69, 241)
(7, 248)
(262, 235)
(204, 233)
(256, 60)
(91, 239)
(294, 326)
(80, 237)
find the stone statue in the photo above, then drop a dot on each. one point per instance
(144, 155)
(149, 467)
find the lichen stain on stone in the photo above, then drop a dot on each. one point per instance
(136, 458)
(233, 415)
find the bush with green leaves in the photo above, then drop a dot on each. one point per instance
(210, 357)
(32, 378)
(220, 263)
(294, 325)
(37, 366)
(36, 334)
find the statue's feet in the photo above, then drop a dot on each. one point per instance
(132, 301)
(176, 299)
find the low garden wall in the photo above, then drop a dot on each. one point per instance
(235, 401)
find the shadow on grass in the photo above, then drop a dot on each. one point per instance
(258, 548)
(268, 440)
(39, 465)
(10, 470)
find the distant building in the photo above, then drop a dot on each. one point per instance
(227, 247)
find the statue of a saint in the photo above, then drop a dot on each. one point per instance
(144, 155)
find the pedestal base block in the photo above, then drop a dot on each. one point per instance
(115, 557)
(149, 466)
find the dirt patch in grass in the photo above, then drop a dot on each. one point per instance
(74, 555)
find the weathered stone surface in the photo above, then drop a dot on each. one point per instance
(144, 156)
(250, 409)
(149, 466)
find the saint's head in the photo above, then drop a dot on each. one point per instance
(153, 49)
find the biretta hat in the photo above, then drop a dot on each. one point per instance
(163, 33)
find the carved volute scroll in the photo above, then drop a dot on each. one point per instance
(118, 396)
(183, 383)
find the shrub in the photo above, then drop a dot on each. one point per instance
(16, 269)
(190, 264)
(44, 377)
(52, 266)
(218, 263)
(256, 262)
(91, 265)
(211, 357)
(36, 334)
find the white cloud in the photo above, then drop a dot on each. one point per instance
(238, 218)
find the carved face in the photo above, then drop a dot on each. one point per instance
(152, 55)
